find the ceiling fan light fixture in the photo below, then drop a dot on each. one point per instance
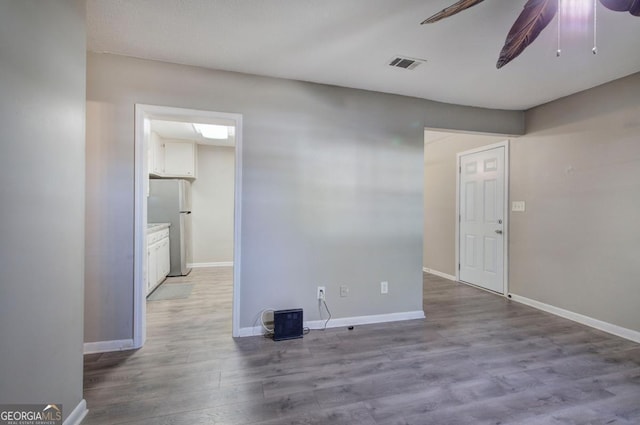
(579, 10)
(535, 17)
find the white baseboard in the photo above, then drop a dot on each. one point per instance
(580, 318)
(252, 331)
(437, 273)
(77, 415)
(347, 321)
(367, 320)
(218, 264)
(106, 346)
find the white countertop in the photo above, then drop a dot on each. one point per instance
(156, 227)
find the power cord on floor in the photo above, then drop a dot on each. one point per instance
(269, 332)
(328, 311)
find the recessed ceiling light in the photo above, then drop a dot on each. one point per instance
(212, 131)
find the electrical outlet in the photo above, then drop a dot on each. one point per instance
(344, 291)
(322, 292)
(384, 287)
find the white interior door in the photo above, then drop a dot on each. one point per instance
(482, 221)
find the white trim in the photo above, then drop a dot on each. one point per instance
(106, 346)
(366, 320)
(626, 333)
(437, 273)
(505, 219)
(504, 143)
(77, 415)
(469, 132)
(142, 131)
(144, 113)
(456, 265)
(347, 321)
(218, 264)
(506, 209)
(237, 229)
(252, 331)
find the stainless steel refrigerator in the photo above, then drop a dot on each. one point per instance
(169, 201)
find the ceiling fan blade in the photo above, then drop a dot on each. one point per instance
(534, 18)
(631, 6)
(451, 10)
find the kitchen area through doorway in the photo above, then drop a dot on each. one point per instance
(190, 210)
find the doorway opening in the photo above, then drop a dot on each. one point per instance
(166, 142)
(441, 255)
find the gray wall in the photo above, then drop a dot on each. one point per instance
(332, 189)
(440, 160)
(212, 205)
(42, 115)
(578, 168)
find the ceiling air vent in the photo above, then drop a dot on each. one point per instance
(405, 62)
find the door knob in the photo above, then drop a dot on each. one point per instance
(499, 231)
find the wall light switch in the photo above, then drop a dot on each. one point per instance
(344, 291)
(384, 287)
(517, 206)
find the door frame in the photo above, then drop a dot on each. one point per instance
(144, 113)
(505, 239)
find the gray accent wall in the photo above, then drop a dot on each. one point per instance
(42, 123)
(577, 245)
(332, 187)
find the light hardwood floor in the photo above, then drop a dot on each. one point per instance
(476, 359)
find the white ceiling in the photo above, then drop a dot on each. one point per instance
(349, 43)
(186, 131)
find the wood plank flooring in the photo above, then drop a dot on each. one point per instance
(476, 359)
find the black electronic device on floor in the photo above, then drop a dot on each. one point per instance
(287, 324)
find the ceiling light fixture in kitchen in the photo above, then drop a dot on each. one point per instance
(212, 131)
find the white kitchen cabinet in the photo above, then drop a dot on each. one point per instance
(172, 158)
(164, 259)
(152, 267)
(158, 256)
(180, 159)
(156, 155)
